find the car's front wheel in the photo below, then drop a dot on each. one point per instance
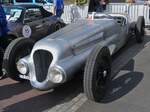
(97, 73)
(16, 50)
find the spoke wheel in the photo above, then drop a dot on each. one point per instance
(97, 73)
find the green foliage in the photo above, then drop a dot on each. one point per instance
(81, 2)
(69, 1)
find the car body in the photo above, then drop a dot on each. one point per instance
(56, 58)
(30, 21)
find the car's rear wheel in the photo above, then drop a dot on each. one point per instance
(97, 73)
(16, 50)
(139, 30)
(58, 26)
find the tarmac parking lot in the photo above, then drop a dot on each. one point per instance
(129, 89)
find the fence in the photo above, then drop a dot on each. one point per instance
(133, 10)
(71, 12)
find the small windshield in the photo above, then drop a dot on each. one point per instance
(15, 14)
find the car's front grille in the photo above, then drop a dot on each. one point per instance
(42, 61)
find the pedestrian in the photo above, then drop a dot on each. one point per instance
(3, 28)
(101, 5)
(58, 7)
(104, 4)
(3, 22)
(147, 2)
(130, 1)
(3, 36)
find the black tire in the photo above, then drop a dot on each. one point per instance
(95, 81)
(11, 38)
(17, 49)
(58, 26)
(132, 29)
(1, 61)
(139, 30)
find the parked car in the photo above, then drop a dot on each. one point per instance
(55, 59)
(29, 21)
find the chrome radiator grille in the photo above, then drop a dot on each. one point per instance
(42, 61)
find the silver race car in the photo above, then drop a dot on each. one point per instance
(54, 60)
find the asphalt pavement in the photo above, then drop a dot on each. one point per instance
(129, 90)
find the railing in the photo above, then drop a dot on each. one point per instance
(72, 12)
(133, 10)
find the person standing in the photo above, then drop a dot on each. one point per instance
(3, 36)
(58, 7)
(130, 1)
(3, 23)
(147, 2)
(3, 28)
(101, 5)
(104, 4)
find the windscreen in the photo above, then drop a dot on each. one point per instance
(14, 14)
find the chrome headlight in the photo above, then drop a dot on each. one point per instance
(57, 75)
(22, 67)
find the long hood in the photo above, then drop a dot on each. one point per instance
(77, 34)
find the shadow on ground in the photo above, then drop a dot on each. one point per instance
(122, 85)
(7, 91)
(48, 100)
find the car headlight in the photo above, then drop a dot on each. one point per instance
(22, 67)
(57, 75)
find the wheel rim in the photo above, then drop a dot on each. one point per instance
(101, 79)
(102, 76)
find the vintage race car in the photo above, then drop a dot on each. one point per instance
(55, 59)
(30, 21)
